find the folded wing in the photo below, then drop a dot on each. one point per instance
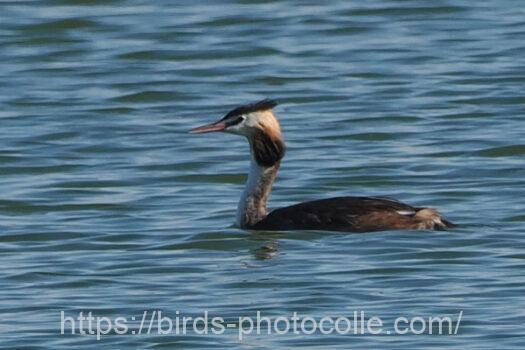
(357, 214)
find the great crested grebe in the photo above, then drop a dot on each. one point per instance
(257, 122)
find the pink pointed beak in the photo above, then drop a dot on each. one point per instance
(213, 127)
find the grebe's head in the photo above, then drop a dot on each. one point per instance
(245, 120)
(257, 122)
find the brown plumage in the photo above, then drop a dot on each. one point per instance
(266, 150)
(355, 214)
(259, 125)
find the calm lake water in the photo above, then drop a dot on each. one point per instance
(108, 205)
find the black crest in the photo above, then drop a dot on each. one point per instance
(251, 107)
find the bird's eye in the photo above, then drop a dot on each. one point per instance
(238, 120)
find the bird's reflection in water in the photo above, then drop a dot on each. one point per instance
(267, 251)
(269, 247)
(268, 241)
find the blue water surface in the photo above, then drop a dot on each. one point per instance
(108, 205)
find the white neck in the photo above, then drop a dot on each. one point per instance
(252, 205)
